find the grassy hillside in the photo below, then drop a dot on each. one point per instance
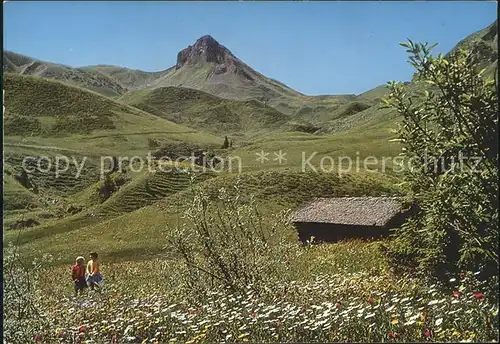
(485, 43)
(320, 114)
(42, 112)
(203, 111)
(131, 79)
(328, 152)
(88, 78)
(50, 119)
(35, 106)
(248, 84)
(45, 193)
(57, 183)
(142, 233)
(147, 189)
(16, 196)
(133, 191)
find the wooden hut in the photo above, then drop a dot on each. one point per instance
(334, 219)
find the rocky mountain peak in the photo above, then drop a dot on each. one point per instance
(207, 41)
(205, 48)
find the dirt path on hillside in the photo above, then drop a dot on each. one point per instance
(40, 147)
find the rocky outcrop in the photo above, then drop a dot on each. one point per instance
(206, 49)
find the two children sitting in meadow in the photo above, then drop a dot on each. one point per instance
(86, 275)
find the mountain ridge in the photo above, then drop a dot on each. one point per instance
(112, 80)
(93, 80)
(210, 67)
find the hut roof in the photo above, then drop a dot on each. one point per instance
(360, 211)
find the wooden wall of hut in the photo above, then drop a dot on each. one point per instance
(327, 232)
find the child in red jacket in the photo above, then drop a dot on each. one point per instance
(78, 275)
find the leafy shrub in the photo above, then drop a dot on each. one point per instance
(23, 318)
(227, 243)
(152, 143)
(23, 179)
(110, 185)
(445, 134)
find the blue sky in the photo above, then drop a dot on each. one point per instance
(313, 47)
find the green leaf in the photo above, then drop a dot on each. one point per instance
(433, 46)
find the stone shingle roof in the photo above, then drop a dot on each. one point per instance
(361, 211)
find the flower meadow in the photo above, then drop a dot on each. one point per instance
(342, 307)
(245, 279)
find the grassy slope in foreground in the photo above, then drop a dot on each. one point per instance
(143, 232)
